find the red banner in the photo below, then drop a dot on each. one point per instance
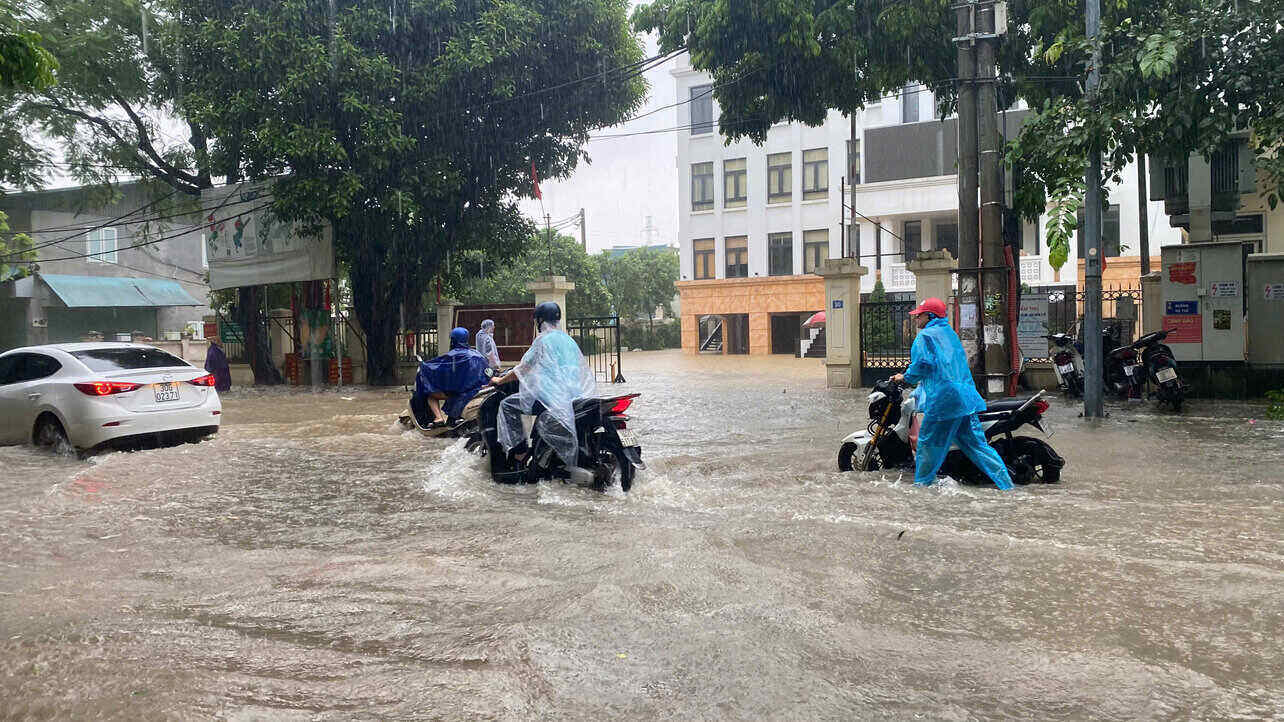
(1182, 273)
(1184, 329)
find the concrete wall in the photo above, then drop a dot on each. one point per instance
(757, 297)
(1265, 315)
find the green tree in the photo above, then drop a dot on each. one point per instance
(15, 249)
(880, 333)
(1178, 76)
(409, 130)
(24, 62)
(480, 278)
(641, 281)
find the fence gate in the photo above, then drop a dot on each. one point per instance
(599, 340)
(886, 334)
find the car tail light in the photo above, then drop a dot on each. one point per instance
(107, 388)
(622, 404)
(1041, 407)
(206, 380)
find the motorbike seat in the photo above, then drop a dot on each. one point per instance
(1004, 405)
(585, 405)
(1121, 348)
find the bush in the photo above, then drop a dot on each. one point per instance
(665, 335)
(589, 345)
(1276, 408)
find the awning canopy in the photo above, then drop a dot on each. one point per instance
(117, 292)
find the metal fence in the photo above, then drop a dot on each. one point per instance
(599, 340)
(886, 334)
(1121, 312)
(417, 341)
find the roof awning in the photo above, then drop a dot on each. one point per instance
(117, 292)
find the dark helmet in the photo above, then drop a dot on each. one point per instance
(547, 312)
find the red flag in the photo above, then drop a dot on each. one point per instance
(535, 181)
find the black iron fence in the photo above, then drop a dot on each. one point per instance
(886, 334)
(599, 340)
(1121, 312)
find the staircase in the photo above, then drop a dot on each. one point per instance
(713, 344)
(814, 347)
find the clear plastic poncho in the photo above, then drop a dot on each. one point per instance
(554, 373)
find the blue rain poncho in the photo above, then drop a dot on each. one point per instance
(553, 373)
(486, 343)
(949, 402)
(459, 373)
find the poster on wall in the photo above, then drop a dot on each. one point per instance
(1224, 289)
(1275, 292)
(1184, 329)
(1032, 326)
(1182, 273)
(246, 245)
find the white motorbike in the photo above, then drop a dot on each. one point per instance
(1067, 363)
(891, 439)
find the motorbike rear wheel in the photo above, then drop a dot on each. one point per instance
(612, 468)
(1028, 460)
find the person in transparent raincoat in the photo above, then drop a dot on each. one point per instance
(485, 343)
(947, 398)
(553, 373)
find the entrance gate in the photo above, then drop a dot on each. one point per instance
(599, 340)
(886, 334)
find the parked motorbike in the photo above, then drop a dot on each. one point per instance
(891, 439)
(609, 452)
(1161, 369)
(1067, 363)
(1123, 373)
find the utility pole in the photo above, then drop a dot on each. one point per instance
(1143, 215)
(548, 230)
(1093, 407)
(998, 353)
(969, 222)
(583, 233)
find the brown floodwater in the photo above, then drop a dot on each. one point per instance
(314, 562)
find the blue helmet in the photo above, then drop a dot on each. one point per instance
(459, 337)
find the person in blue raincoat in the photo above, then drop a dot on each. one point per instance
(950, 403)
(454, 377)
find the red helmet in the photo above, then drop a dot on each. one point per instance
(934, 306)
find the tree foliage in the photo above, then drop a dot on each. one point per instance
(409, 129)
(641, 281)
(24, 62)
(481, 278)
(1178, 76)
(15, 251)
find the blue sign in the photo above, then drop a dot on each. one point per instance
(838, 303)
(1181, 308)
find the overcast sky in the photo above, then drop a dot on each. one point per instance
(627, 179)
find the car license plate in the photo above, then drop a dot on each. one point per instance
(627, 438)
(1131, 370)
(1166, 375)
(167, 391)
(1065, 368)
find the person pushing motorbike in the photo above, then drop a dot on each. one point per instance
(553, 373)
(950, 403)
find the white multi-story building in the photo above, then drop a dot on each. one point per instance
(755, 221)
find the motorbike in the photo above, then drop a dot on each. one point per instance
(418, 417)
(609, 453)
(1160, 369)
(891, 439)
(1123, 373)
(1067, 363)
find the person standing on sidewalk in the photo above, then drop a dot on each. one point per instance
(950, 401)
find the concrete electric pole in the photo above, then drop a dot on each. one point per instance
(1093, 403)
(969, 297)
(583, 232)
(994, 283)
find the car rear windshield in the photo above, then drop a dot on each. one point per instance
(125, 359)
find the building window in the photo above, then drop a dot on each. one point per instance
(1109, 233)
(737, 252)
(853, 162)
(815, 173)
(1029, 238)
(1251, 225)
(947, 238)
(701, 109)
(815, 249)
(735, 183)
(780, 177)
(102, 246)
(780, 254)
(909, 104)
(912, 238)
(702, 258)
(702, 186)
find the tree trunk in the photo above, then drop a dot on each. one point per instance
(375, 300)
(249, 312)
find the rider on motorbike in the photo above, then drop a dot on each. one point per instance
(454, 377)
(553, 373)
(948, 399)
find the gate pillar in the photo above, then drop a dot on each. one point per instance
(445, 324)
(842, 321)
(933, 275)
(551, 288)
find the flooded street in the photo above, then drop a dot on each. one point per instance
(313, 562)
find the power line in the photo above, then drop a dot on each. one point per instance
(139, 221)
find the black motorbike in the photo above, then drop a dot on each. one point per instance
(1067, 363)
(609, 452)
(1123, 373)
(1161, 369)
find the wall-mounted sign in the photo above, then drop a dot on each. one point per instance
(1032, 326)
(1275, 292)
(1221, 319)
(1184, 329)
(1224, 289)
(1181, 308)
(838, 303)
(1182, 273)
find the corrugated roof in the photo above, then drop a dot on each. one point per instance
(117, 292)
